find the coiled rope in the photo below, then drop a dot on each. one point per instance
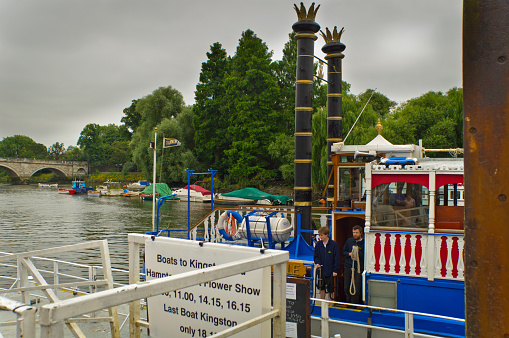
(355, 258)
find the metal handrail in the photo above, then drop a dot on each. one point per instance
(409, 318)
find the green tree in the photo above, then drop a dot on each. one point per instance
(90, 142)
(210, 110)
(23, 147)
(285, 70)
(56, 150)
(434, 117)
(282, 152)
(173, 161)
(353, 106)
(73, 154)
(253, 96)
(132, 118)
(362, 133)
(164, 103)
(112, 133)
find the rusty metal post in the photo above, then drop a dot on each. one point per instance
(486, 141)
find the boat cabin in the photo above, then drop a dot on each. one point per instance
(412, 213)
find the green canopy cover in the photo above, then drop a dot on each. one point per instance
(161, 188)
(255, 194)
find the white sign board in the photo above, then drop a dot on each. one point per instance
(208, 308)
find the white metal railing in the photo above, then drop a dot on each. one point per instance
(26, 267)
(89, 274)
(52, 316)
(409, 319)
(25, 325)
(416, 254)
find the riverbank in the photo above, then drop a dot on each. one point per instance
(276, 188)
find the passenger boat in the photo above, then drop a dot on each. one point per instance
(413, 277)
(414, 253)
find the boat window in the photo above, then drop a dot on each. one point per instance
(383, 293)
(363, 158)
(351, 187)
(453, 194)
(400, 204)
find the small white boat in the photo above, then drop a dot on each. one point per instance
(226, 200)
(195, 194)
(65, 191)
(93, 193)
(138, 186)
(131, 193)
(47, 185)
(110, 188)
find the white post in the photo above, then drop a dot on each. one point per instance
(409, 325)
(279, 298)
(134, 278)
(325, 319)
(154, 182)
(431, 201)
(431, 227)
(25, 324)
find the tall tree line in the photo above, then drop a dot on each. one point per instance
(242, 122)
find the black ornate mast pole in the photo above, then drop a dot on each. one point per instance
(305, 28)
(333, 49)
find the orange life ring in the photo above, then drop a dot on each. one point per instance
(231, 226)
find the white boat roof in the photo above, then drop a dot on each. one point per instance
(444, 165)
(379, 145)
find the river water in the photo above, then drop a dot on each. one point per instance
(33, 218)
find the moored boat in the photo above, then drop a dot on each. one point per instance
(130, 193)
(251, 196)
(413, 258)
(138, 186)
(78, 187)
(162, 189)
(65, 191)
(194, 193)
(110, 188)
(48, 185)
(93, 193)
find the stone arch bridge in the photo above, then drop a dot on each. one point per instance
(21, 169)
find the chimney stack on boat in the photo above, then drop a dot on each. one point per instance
(333, 49)
(305, 30)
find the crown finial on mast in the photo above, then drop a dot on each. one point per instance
(379, 127)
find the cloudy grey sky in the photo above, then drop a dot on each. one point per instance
(67, 63)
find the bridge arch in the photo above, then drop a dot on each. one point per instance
(11, 172)
(56, 171)
(81, 172)
(24, 168)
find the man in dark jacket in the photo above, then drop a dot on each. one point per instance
(327, 259)
(353, 251)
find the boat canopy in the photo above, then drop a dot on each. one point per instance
(255, 194)
(161, 188)
(199, 189)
